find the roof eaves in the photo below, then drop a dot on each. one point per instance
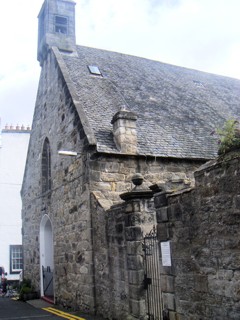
(196, 157)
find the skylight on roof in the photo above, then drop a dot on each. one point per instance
(94, 70)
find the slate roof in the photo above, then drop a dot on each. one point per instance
(177, 108)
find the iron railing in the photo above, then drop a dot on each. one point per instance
(152, 275)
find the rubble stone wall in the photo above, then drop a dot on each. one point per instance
(118, 258)
(67, 203)
(202, 226)
(110, 175)
(82, 190)
(74, 219)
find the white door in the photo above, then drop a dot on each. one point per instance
(46, 257)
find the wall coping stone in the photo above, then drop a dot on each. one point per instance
(172, 194)
(173, 185)
(212, 164)
(136, 194)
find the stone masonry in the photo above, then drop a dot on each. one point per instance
(75, 183)
(66, 204)
(202, 225)
(84, 220)
(118, 257)
(124, 131)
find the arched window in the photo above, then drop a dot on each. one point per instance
(46, 166)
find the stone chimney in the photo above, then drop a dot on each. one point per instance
(124, 131)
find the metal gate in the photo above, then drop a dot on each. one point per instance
(47, 281)
(152, 275)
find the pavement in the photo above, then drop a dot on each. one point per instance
(38, 309)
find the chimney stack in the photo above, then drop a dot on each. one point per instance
(124, 131)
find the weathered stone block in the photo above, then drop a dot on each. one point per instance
(133, 233)
(173, 315)
(136, 277)
(133, 219)
(160, 200)
(102, 186)
(111, 177)
(162, 232)
(162, 214)
(167, 283)
(175, 212)
(95, 176)
(201, 283)
(122, 186)
(138, 308)
(237, 202)
(135, 262)
(111, 166)
(134, 247)
(169, 301)
(129, 208)
(137, 206)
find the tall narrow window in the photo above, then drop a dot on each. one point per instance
(16, 258)
(46, 167)
(61, 25)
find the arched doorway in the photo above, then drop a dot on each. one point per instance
(46, 258)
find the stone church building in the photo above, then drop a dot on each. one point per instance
(101, 117)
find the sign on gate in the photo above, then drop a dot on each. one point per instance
(166, 254)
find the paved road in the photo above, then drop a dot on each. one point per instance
(35, 310)
(17, 310)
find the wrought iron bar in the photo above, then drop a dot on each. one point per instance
(152, 275)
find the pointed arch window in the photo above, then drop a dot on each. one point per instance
(46, 166)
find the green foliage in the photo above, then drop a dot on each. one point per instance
(229, 137)
(25, 290)
(26, 283)
(25, 287)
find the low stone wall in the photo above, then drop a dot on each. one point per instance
(118, 256)
(202, 225)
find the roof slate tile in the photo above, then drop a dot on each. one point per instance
(177, 108)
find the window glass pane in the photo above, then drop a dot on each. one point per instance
(94, 70)
(16, 258)
(61, 20)
(61, 24)
(46, 167)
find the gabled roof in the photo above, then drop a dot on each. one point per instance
(177, 108)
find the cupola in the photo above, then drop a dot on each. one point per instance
(56, 27)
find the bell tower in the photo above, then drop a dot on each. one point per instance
(56, 27)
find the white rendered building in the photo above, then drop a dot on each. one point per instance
(13, 152)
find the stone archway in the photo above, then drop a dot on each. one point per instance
(46, 258)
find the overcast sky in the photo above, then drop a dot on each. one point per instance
(198, 34)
